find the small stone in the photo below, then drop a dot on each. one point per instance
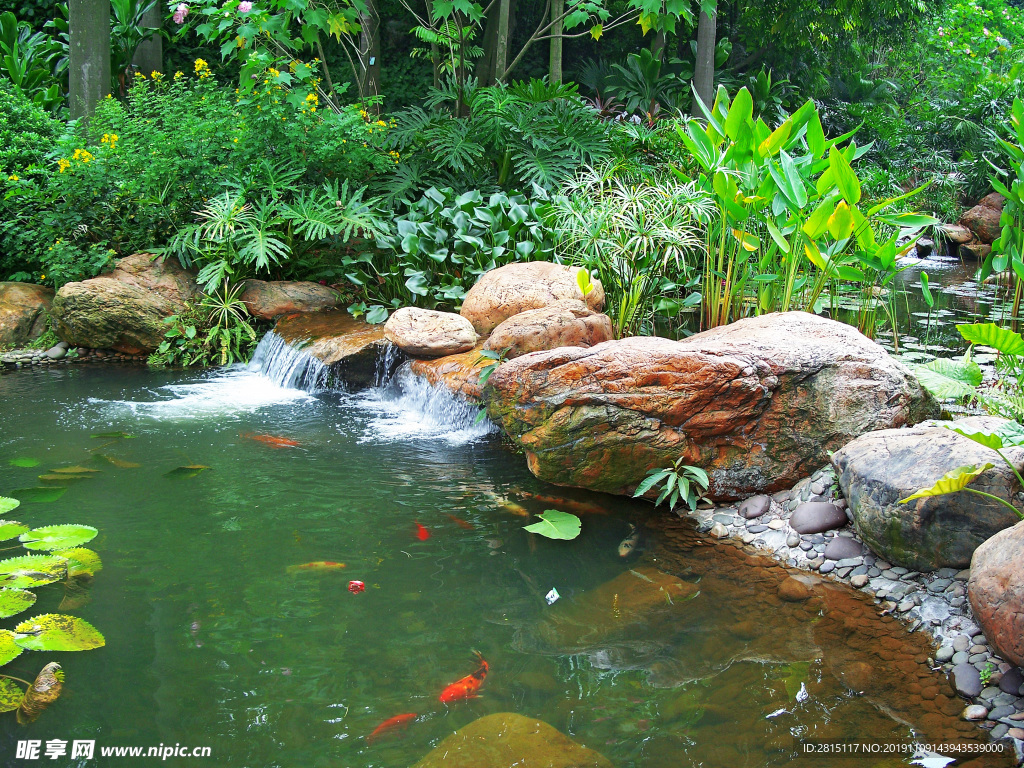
(873, 572)
(999, 712)
(777, 525)
(859, 581)
(945, 653)
(974, 712)
(978, 647)
(966, 680)
(977, 658)
(723, 519)
(794, 589)
(755, 506)
(782, 496)
(806, 546)
(990, 692)
(748, 538)
(1011, 681)
(938, 586)
(963, 575)
(960, 657)
(827, 567)
(905, 606)
(792, 540)
(757, 528)
(961, 643)
(718, 531)
(816, 563)
(843, 547)
(1015, 733)
(999, 731)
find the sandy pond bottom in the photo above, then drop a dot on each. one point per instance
(683, 656)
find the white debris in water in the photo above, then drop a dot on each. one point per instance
(552, 596)
(802, 695)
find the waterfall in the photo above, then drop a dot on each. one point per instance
(289, 366)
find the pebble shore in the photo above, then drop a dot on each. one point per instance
(62, 353)
(935, 603)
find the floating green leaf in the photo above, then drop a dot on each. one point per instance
(24, 461)
(30, 571)
(991, 335)
(11, 694)
(556, 525)
(58, 536)
(9, 529)
(57, 632)
(9, 650)
(14, 601)
(113, 435)
(6, 505)
(951, 482)
(41, 493)
(80, 561)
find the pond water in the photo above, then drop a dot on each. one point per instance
(682, 656)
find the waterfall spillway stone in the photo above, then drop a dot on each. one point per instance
(289, 366)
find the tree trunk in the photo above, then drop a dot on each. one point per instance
(149, 56)
(369, 50)
(501, 48)
(89, 60)
(555, 64)
(704, 71)
(485, 64)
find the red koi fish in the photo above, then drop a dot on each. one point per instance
(391, 727)
(461, 523)
(422, 533)
(272, 440)
(467, 687)
(317, 565)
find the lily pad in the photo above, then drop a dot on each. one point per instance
(9, 650)
(81, 561)
(41, 493)
(75, 470)
(189, 470)
(10, 528)
(11, 694)
(57, 632)
(6, 504)
(57, 536)
(30, 571)
(13, 601)
(24, 461)
(556, 525)
(113, 435)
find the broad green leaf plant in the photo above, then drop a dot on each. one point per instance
(790, 223)
(680, 482)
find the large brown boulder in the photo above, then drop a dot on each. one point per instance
(996, 591)
(267, 300)
(569, 323)
(878, 469)
(520, 286)
(23, 308)
(506, 739)
(429, 333)
(124, 309)
(757, 404)
(983, 219)
(356, 352)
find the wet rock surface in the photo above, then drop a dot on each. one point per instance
(23, 308)
(996, 592)
(753, 403)
(459, 374)
(353, 349)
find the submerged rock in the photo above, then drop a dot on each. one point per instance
(753, 403)
(996, 592)
(460, 374)
(125, 309)
(568, 323)
(269, 299)
(23, 308)
(428, 333)
(506, 739)
(521, 286)
(356, 352)
(880, 468)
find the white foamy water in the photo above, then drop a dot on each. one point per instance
(288, 366)
(228, 391)
(408, 407)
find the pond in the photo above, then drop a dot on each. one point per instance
(681, 655)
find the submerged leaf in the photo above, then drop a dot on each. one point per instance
(42, 693)
(76, 470)
(41, 493)
(121, 463)
(112, 435)
(57, 632)
(62, 478)
(30, 571)
(81, 561)
(189, 470)
(58, 536)
(9, 650)
(556, 525)
(951, 482)
(10, 528)
(24, 461)
(14, 601)
(6, 505)
(10, 694)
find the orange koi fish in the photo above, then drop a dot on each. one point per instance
(461, 523)
(272, 440)
(391, 727)
(422, 533)
(467, 687)
(585, 507)
(316, 565)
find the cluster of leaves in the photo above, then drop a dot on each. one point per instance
(443, 242)
(680, 482)
(213, 331)
(55, 555)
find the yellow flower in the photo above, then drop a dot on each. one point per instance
(13, 177)
(156, 75)
(140, 75)
(43, 277)
(202, 69)
(178, 75)
(381, 122)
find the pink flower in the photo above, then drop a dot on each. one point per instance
(180, 13)
(245, 6)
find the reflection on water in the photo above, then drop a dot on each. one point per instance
(684, 655)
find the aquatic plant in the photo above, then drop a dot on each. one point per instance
(682, 482)
(216, 331)
(55, 555)
(556, 524)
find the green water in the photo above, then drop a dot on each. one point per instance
(212, 642)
